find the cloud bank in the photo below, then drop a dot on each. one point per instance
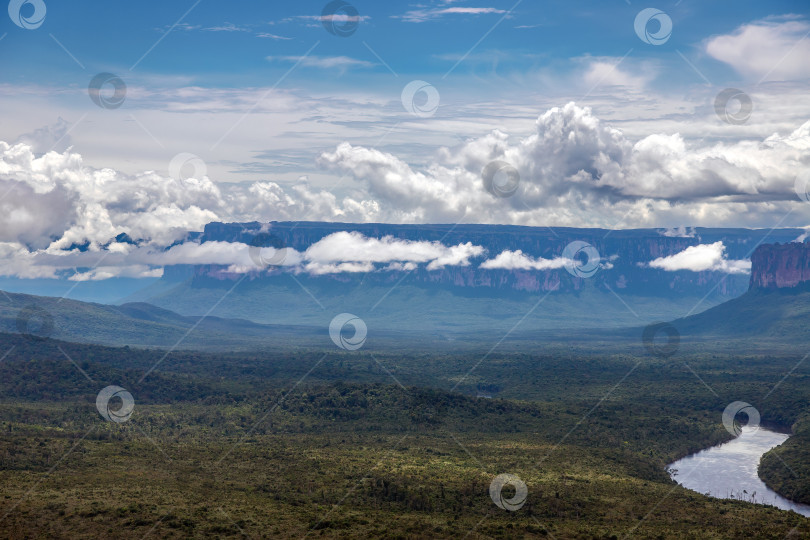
(701, 258)
(573, 170)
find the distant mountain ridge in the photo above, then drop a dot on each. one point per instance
(776, 305)
(456, 300)
(135, 324)
(625, 251)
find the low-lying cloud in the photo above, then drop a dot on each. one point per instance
(517, 260)
(340, 252)
(702, 258)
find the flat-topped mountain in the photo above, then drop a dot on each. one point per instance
(473, 298)
(779, 266)
(777, 304)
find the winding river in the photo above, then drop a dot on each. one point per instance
(729, 470)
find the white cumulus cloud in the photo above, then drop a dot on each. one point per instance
(517, 260)
(774, 49)
(701, 258)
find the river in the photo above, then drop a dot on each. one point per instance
(729, 470)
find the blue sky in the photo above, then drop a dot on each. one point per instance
(253, 111)
(216, 44)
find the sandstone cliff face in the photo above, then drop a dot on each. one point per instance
(624, 254)
(778, 266)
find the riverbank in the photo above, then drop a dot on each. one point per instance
(730, 470)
